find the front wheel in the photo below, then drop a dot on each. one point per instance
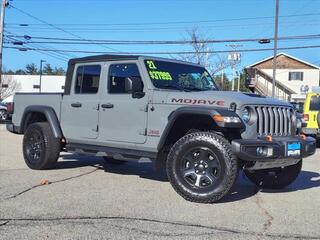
(274, 178)
(201, 167)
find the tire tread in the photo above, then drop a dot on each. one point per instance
(224, 146)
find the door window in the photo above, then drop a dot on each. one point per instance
(87, 79)
(117, 75)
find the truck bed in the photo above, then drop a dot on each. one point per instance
(23, 100)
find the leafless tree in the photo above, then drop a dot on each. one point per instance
(8, 86)
(203, 52)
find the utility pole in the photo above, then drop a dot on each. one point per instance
(3, 8)
(274, 65)
(41, 61)
(239, 82)
(222, 73)
(233, 76)
(207, 58)
(234, 57)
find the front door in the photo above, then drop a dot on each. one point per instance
(80, 109)
(122, 117)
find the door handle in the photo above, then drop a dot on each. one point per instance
(107, 105)
(76, 105)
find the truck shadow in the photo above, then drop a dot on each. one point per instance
(141, 169)
(243, 188)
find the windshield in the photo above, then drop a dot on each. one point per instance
(315, 103)
(178, 76)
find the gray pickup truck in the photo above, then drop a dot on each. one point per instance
(172, 112)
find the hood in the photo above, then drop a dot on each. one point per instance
(215, 99)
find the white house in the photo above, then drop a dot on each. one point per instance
(294, 77)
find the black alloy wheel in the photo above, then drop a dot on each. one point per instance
(200, 167)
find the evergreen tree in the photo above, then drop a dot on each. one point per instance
(48, 70)
(31, 69)
(59, 71)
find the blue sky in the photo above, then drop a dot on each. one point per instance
(135, 20)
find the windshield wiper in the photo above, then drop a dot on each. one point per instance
(194, 88)
(175, 87)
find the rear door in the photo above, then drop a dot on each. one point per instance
(122, 118)
(80, 109)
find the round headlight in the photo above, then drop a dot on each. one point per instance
(246, 115)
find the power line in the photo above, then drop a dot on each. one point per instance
(152, 42)
(60, 56)
(154, 29)
(54, 26)
(53, 55)
(162, 53)
(170, 22)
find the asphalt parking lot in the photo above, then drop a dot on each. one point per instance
(87, 198)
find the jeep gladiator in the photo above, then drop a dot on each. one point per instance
(172, 112)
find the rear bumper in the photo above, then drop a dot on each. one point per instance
(276, 153)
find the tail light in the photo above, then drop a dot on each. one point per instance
(10, 108)
(306, 117)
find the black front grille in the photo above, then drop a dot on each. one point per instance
(274, 121)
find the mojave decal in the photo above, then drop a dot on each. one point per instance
(197, 101)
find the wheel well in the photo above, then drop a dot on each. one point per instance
(33, 117)
(188, 123)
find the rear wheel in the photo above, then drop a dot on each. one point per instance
(274, 178)
(40, 148)
(201, 167)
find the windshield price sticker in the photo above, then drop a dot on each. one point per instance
(155, 74)
(158, 75)
(151, 65)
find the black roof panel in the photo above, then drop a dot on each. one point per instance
(106, 57)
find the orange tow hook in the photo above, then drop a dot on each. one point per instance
(304, 137)
(269, 138)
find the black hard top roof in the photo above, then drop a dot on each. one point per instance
(106, 57)
(110, 57)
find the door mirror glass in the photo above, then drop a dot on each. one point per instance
(134, 85)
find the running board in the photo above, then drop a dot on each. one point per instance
(109, 151)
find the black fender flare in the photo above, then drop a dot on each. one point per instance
(50, 115)
(197, 110)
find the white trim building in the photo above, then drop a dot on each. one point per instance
(294, 77)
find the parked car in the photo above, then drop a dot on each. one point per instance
(311, 114)
(3, 111)
(171, 112)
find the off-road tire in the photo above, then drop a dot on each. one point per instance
(40, 148)
(274, 178)
(318, 119)
(111, 160)
(213, 143)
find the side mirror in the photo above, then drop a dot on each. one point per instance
(134, 85)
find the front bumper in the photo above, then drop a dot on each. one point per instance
(311, 131)
(276, 153)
